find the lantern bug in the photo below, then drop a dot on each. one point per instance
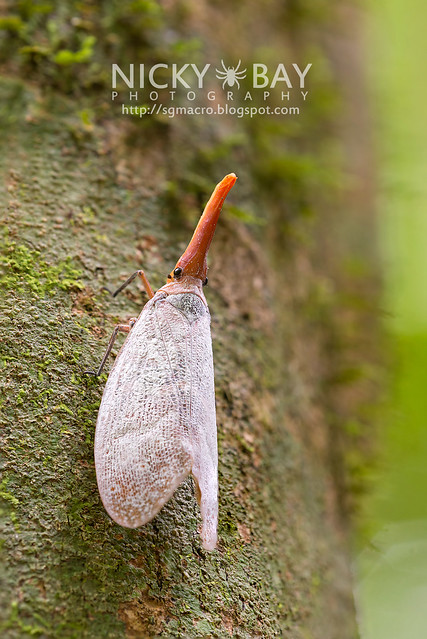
(157, 421)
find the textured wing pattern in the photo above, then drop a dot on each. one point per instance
(156, 421)
(202, 418)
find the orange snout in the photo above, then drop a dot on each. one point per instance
(194, 260)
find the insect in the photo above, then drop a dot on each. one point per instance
(156, 421)
(230, 75)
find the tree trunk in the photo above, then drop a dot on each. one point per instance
(93, 195)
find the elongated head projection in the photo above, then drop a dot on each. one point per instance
(157, 422)
(193, 261)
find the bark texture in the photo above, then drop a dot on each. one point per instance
(90, 196)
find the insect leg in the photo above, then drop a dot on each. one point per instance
(130, 279)
(120, 328)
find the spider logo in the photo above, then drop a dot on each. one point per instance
(230, 75)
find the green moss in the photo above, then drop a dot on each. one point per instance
(14, 622)
(65, 57)
(22, 268)
(12, 23)
(69, 44)
(6, 495)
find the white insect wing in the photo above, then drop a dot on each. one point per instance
(156, 422)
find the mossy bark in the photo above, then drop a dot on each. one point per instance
(90, 198)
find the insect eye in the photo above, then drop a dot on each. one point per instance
(177, 272)
(205, 282)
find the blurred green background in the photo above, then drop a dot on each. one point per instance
(392, 567)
